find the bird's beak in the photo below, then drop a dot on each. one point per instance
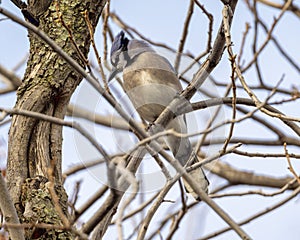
(113, 73)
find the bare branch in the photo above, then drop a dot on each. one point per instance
(235, 176)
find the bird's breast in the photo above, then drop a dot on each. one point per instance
(150, 91)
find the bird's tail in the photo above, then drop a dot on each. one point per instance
(199, 176)
(182, 150)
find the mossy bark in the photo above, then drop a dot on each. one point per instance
(35, 146)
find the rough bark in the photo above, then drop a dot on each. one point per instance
(35, 146)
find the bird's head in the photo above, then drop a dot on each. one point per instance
(123, 51)
(118, 54)
(119, 46)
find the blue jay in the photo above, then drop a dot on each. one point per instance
(151, 84)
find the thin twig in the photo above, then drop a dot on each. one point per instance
(245, 34)
(213, 157)
(125, 176)
(155, 206)
(11, 76)
(265, 155)
(254, 47)
(91, 30)
(269, 35)
(255, 192)
(105, 28)
(184, 34)
(232, 59)
(291, 168)
(86, 205)
(210, 27)
(55, 199)
(275, 41)
(291, 8)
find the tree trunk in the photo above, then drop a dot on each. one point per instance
(35, 145)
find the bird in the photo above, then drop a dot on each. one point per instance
(151, 83)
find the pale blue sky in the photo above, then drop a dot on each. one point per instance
(162, 21)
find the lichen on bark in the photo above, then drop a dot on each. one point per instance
(38, 207)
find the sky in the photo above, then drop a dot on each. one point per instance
(162, 21)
